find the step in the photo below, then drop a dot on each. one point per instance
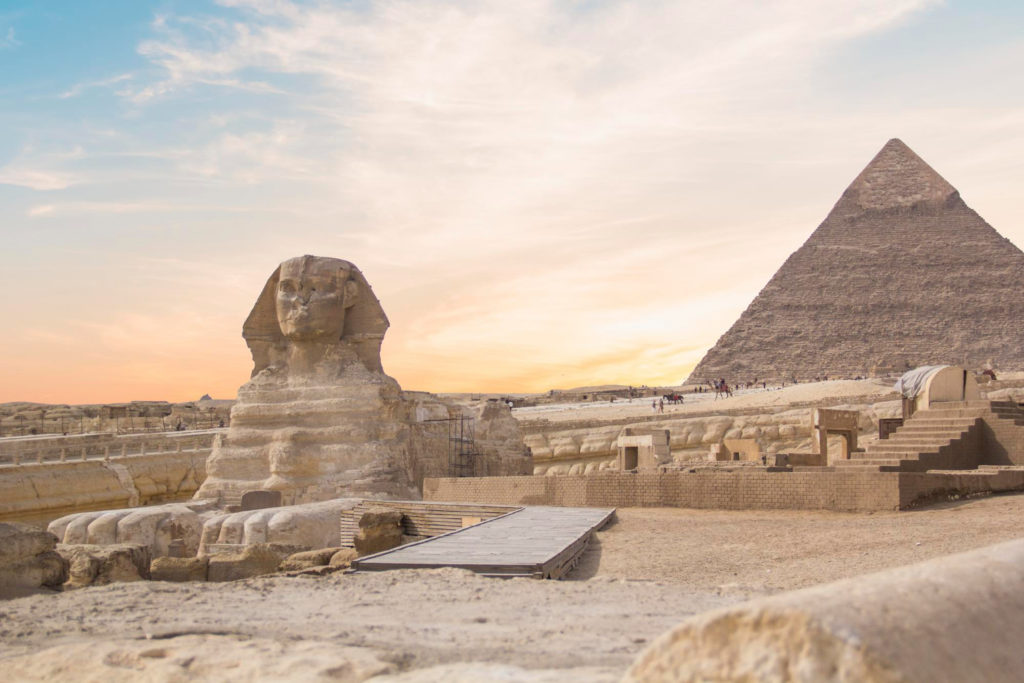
(857, 467)
(911, 445)
(894, 455)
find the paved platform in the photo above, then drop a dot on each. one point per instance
(541, 542)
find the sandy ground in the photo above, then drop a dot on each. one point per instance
(646, 572)
(773, 397)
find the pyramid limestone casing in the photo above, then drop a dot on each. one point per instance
(901, 273)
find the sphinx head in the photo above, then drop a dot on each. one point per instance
(315, 300)
(313, 294)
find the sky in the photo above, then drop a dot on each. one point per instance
(542, 194)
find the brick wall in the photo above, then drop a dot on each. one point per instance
(800, 490)
(810, 489)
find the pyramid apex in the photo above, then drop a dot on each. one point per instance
(898, 178)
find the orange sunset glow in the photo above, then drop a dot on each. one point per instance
(542, 196)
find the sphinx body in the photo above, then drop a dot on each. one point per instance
(319, 423)
(319, 418)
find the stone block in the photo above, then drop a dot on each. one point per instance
(179, 569)
(28, 561)
(308, 559)
(254, 560)
(95, 565)
(343, 558)
(379, 529)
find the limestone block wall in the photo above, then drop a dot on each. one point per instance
(43, 492)
(922, 488)
(742, 490)
(813, 488)
(588, 447)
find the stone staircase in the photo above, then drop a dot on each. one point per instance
(947, 438)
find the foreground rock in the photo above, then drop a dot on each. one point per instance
(253, 560)
(380, 529)
(179, 569)
(98, 565)
(28, 560)
(308, 559)
(955, 618)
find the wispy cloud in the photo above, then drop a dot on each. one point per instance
(7, 39)
(41, 170)
(495, 141)
(79, 88)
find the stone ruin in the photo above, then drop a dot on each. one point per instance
(317, 428)
(901, 273)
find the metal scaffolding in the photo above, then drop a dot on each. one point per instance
(462, 453)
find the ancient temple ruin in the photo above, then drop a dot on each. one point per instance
(901, 273)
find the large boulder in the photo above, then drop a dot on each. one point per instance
(98, 565)
(253, 560)
(28, 560)
(953, 618)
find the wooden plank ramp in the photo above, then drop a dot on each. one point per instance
(537, 541)
(423, 518)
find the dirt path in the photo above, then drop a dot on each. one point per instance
(762, 552)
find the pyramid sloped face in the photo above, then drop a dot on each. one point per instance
(901, 273)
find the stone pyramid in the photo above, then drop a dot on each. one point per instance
(901, 273)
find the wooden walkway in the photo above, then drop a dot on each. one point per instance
(421, 518)
(540, 542)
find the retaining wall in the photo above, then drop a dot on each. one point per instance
(802, 489)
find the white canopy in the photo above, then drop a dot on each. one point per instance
(912, 383)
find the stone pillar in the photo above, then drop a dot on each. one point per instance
(39, 456)
(63, 454)
(85, 450)
(124, 450)
(106, 453)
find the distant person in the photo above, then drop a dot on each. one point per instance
(661, 405)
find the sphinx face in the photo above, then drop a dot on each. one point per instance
(312, 295)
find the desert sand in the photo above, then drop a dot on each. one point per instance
(647, 571)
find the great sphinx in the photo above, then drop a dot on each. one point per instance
(319, 417)
(318, 421)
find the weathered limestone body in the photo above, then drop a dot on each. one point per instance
(319, 416)
(320, 419)
(955, 618)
